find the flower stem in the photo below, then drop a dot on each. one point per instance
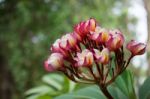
(105, 92)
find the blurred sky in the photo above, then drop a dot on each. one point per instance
(137, 10)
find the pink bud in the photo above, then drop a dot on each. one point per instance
(57, 49)
(54, 62)
(77, 36)
(68, 41)
(103, 56)
(100, 35)
(136, 48)
(85, 27)
(115, 40)
(91, 24)
(84, 59)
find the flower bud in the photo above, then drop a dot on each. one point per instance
(54, 62)
(103, 56)
(77, 36)
(115, 40)
(100, 35)
(85, 27)
(57, 49)
(136, 48)
(68, 41)
(85, 58)
(91, 24)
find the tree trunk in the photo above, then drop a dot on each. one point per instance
(6, 79)
(147, 7)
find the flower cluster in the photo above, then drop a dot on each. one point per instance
(86, 54)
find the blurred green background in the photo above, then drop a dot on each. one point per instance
(29, 27)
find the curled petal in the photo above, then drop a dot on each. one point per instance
(103, 56)
(115, 41)
(68, 41)
(77, 37)
(55, 47)
(97, 53)
(85, 58)
(100, 35)
(85, 27)
(54, 62)
(92, 24)
(104, 37)
(136, 48)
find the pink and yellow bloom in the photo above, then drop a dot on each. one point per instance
(85, 58)
(77, 36)
(103, 56)
(68, 41)
(54, 62)
(100, 35)
(55, 47)
(85, 27)
(90, 44)
(115, 40)
(136, 48)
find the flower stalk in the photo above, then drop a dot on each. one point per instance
(86, 55)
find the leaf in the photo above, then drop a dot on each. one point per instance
(92, 92)
(69, 85)
(44, 97)
(144, 90)
(125, 83)
(120, 83)
(54, 80)
(41, 89)
(39, 96)
(117, 93)
(54, 85)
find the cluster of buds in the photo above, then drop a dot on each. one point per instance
(86, 54)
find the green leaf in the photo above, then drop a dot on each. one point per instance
(120, 83)
(44, 97)
(125, 83)
(144, 90)
(41, 89)
(54, 80)
(116, 92)
(92, 92)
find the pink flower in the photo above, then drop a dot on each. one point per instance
(68, 41)
(115, 40)
(136, 48)
(100, 35)
(103, 56)
(57, 49)
(77, 36)
(85, 27)
(91, 25)
(54, 62)
(85, 58)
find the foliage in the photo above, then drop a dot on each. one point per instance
(53, 85)
(122, 88)
(144, 91)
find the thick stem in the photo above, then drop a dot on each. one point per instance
(105, 92)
